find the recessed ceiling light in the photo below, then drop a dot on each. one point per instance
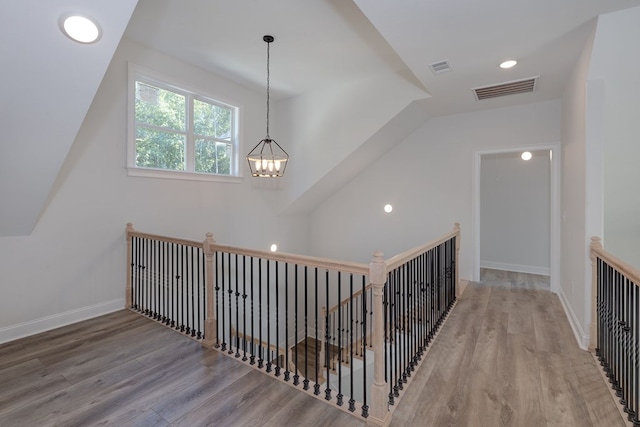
(274, 247)
(526, 156)
(80, 29)
(388, 208)
(508, 64)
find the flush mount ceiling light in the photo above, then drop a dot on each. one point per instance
(508, 64)
(80, 29)
(526, 156)
(267, 159)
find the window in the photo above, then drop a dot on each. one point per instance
(179, 134)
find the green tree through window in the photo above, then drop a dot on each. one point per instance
(181, 132)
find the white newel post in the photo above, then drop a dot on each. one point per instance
(210, 327)
(127, 299)
(379, 414)
(593, 330)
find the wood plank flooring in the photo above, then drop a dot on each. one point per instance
(505, 357)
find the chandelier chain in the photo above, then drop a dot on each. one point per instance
(268, 44)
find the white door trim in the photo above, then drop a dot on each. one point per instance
(554, 250)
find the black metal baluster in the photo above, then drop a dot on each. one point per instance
(193, 292)
(179, 284)
(306, 331)
(413, 354)
(278, 367)
(252, 358)
(352, 401)
(618, 335)
(316, 387)
(169, 281)
(163, 272)
(397, 337)
(149, 271)
(296, 377)
(287, 373)
(626, 348)
(421, 304)
(135, 273)
(132, 276)
(386, 307)
(145, 272)
(230, 296)
(244, 307)
(339, 397)
(268, 314)
(237, 309)
(141, 273)
(216, 257)
(260, 359)
(403, 310)
(152, 279)
(158, 280)
(636, 371)
(365, 407)
(203, 294)
(162, 313)
(327, 348)
(221, 275)
(185, 296)
(415, 328)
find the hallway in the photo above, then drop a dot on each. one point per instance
(507, 356)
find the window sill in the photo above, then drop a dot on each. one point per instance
(190, 176)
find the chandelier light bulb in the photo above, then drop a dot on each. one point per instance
(278, 165)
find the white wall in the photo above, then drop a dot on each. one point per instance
(515, 212)
(615, 61)
(73, 264)
(428, 180)
(575, 289)
(599, 176)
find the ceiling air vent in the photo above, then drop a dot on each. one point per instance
(504, 89)
(440, 67)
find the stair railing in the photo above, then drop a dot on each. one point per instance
(615, 325)
(257, 306)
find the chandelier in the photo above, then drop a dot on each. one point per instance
(267, 159)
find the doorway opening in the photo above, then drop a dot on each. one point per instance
(516, 215)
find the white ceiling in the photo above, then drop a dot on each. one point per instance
(322, 42)
(50, 82)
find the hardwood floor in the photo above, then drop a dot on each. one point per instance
(506, 356)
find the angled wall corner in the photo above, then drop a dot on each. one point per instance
(334, 133)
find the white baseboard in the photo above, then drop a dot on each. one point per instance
(32, 327)
(581, 337)
(545, 271)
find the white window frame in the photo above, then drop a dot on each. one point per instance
(137, 73)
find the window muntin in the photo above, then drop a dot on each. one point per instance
(178, 131)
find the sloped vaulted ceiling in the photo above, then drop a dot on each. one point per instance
(322, 46)
(48, 84)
